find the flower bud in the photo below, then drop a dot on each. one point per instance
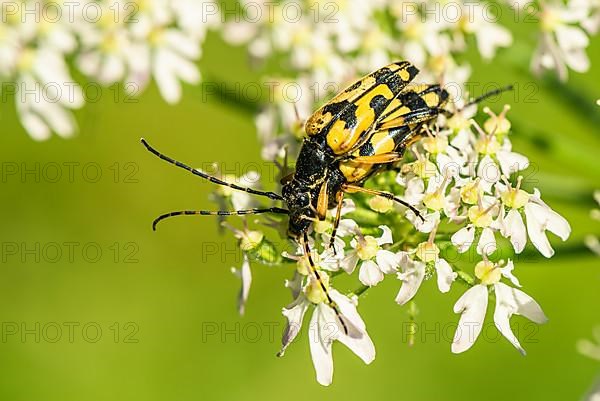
(550, 19)
(499, 126)
(458, 122)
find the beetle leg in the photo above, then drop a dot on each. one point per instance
(322, 202)
(355, 188)
(336, 223)
(377, 159)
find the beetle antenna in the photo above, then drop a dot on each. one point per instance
(486, 95)
(217, 213)
(214, 180)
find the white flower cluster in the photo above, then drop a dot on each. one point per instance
(324, 45)
(110, 41)
(318, 39)
(460, 181)
(463, 178)
(565, 29)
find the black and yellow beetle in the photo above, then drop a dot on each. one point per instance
(365, 127)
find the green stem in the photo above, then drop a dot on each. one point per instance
(361, 290)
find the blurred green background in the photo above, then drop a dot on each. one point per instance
(157, 296)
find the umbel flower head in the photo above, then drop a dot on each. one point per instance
(114, 41)
(463, 178)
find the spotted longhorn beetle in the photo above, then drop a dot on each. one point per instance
(364, 128)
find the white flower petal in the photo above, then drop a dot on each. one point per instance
(59, 119)
(245, 274)
(330, 260)
(516, 230)
(369, 273)
(357, 339)
(412, 276)
(487, 242)
(431, 220)
(350, 261)
(414, 192)
(524, 304)
(35, 126)
(387, 261)
(348, 206)
(488, 172)
(325, 327)
(445, 275)
(571, 37)
(511, 301)
(321, 333)
(536, 226)
(168, 85)
(463, 238)
(558, 225)
(347, 227)
(507, 271)
(294, 314)
(386, 236)
(472, 306)
(511, 162)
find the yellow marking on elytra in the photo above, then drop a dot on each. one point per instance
(339, 139)
(336, 135)
(365, 84)
(431, 99)
(417, 88)
(320, 119)
(382, 142)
